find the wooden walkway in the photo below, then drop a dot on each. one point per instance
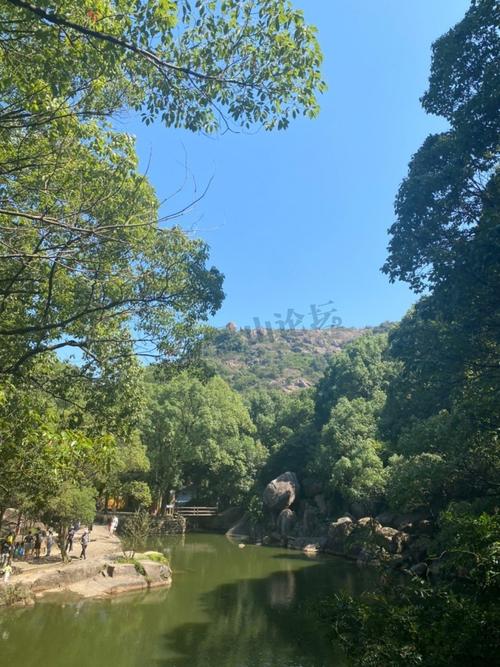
(191, 511)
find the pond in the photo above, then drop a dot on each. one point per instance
(228, 607)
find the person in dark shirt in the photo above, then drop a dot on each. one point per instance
(69, 541)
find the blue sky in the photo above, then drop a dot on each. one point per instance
(300, 217)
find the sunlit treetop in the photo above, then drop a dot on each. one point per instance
(205, 66)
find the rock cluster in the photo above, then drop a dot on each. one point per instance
(300, 522)
(365, 539)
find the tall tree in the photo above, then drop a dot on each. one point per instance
(446, 402)
(200, 434)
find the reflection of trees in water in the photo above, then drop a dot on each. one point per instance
(229, 608)
(281, 589)
(256, 623)
(85, 632)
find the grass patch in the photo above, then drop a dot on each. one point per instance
(157, 557)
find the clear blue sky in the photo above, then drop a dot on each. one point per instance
(300, 217)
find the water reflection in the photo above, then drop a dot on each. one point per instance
(281, 589)
(228, 607)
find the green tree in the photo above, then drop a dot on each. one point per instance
(442, 411)
(348, 459)
(191, 64)
(285, 426)
(440, 204)
(86, 265)
(357, 372)
(200, 435)
(446, 400)
(70, 503)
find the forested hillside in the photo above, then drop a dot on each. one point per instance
(276, 359)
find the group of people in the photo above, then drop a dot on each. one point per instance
(39, 543)
(20, 548)
(13, 547)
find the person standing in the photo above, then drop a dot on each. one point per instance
(70, 538)
(4, 553)
(19, 550)
(114, 524)
(49, 542)
(28, 545)
(84, 541)
(7, 571)
(38, 544)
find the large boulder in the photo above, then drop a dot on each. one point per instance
(67, 574)
(338, 532)
(390, 539)
(281, 492)
(157, 573)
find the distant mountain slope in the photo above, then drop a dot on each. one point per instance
(281, 359)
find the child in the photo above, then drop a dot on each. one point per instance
(28, 545)
(7, 571)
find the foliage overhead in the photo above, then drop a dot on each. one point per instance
(197, 65)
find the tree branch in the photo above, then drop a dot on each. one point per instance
(162, 65)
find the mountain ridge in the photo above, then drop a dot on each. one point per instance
(285, 359)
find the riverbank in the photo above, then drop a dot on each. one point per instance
(105, 572)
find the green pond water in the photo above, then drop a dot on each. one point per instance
(227, 607)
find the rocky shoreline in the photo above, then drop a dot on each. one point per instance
(297, 516)
(100, 576)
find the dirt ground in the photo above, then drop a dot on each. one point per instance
(102, 545)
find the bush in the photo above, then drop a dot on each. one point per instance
(15, 594)
(136, 532)
(157, 557)
(415, 624)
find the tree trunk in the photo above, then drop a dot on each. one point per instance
(62, 537)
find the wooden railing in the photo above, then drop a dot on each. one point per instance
(188, 511)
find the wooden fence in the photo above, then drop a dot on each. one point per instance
(190, 511)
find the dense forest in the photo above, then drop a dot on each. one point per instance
(112, 387)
